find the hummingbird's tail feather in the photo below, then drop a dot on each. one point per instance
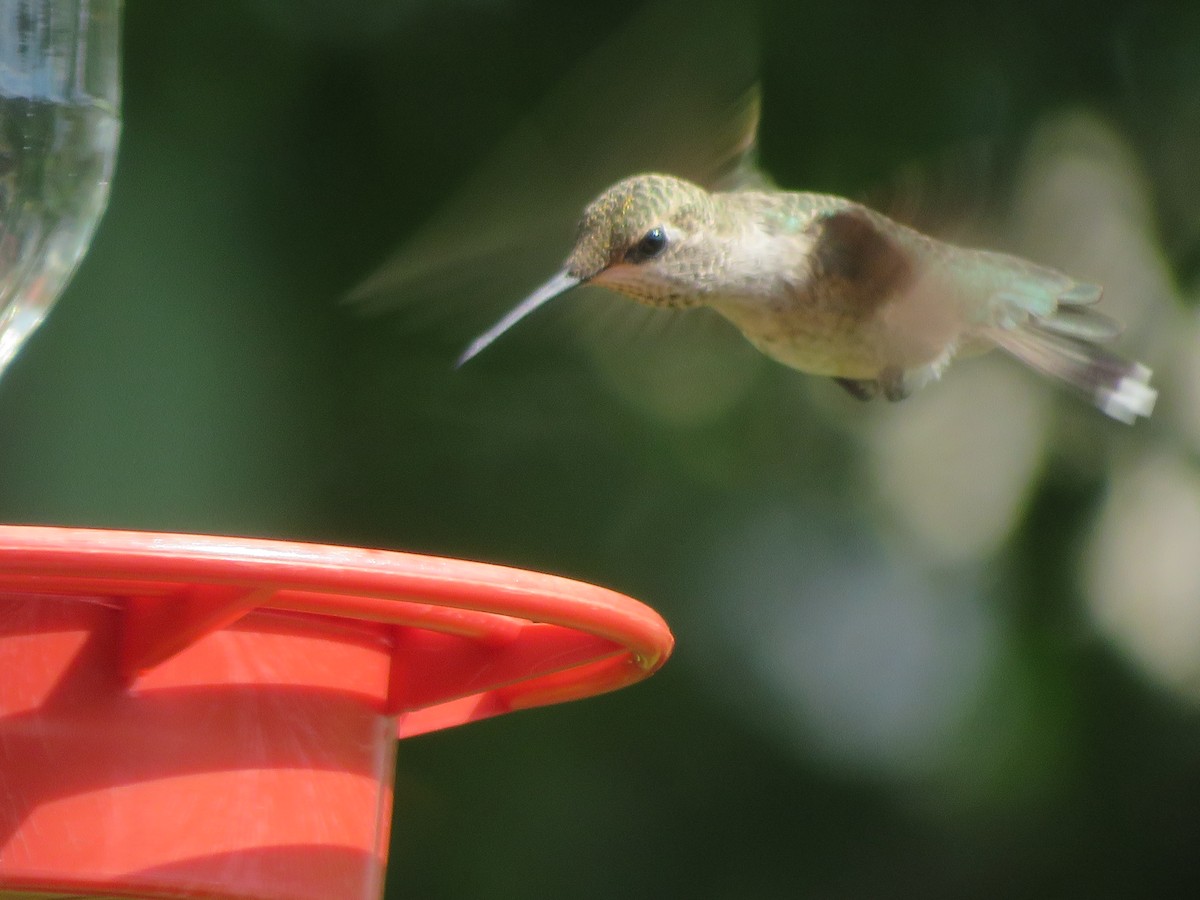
(1118, 387)
(1079, 322)
(1081, 293)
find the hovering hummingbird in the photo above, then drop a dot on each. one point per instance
(827, 286)
(817, 282)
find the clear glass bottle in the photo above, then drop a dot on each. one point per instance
(60, 95)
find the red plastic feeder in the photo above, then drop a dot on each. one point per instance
(191, 716)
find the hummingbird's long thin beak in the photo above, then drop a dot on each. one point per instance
(561, 282)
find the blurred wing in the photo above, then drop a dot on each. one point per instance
(953, 194)
(673, 91)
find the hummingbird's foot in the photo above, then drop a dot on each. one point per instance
(893, 383)
(863, 389)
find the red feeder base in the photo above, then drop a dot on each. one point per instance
(189, 716)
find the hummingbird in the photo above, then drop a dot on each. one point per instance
(833, 288)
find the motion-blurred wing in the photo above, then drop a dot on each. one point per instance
(672, 91)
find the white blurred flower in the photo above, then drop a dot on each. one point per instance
(858, 655)
(1142, 569)
(954, 465)
(1083, 205)
(1182, 402)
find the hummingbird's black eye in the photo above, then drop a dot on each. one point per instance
(653, 242)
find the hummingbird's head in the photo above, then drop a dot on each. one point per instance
(641, 237)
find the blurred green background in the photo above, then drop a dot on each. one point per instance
(949, 647)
